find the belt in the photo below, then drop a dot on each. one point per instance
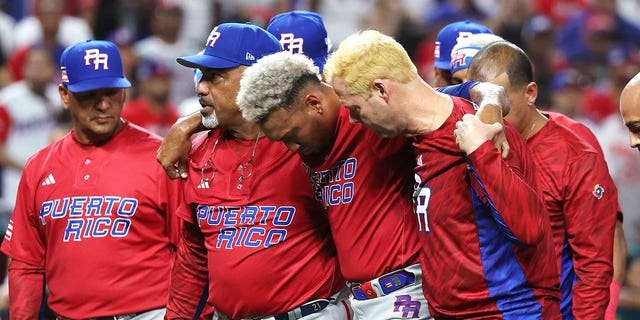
(382, 286)
(295, 314)
(118, 317)
(303, 310)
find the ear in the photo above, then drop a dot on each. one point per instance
(64, 96)
(531, 93)
(380, 89)
(313, 102)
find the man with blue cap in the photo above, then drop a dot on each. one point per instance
(252, 226)
(447, 38)
(92, 216)
(302, 32)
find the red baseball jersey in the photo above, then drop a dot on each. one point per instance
(140, 112)
(487, 247)
(269, 248)
(581, 200)
(584, 133)
(365, 185)
(100, 220)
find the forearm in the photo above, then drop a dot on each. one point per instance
(521, 214)
(590, 217)
(189, 275)
(619, 253)
(26, 292)
(493, 96)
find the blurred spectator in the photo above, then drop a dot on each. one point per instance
(559, 10)
(7, 24)
(566, 90)
(391, 18)
(603, 98)
(586, 38)
(509, 20)
(537, 40)
(32, 106)
(49, 24)
(48, 28)
(342, 17)
(123, 38)
(165, 45)
(152, 109)
(447, 11)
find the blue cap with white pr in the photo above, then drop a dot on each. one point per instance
(92, 65)
(302, 32)
(233, 44)
(461, 58)
(449, 36)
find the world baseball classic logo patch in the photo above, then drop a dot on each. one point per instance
(598, 191)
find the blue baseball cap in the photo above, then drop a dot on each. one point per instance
(461, 58)
(449, 36)
(91, 65)
(302, 32)
(233, 44)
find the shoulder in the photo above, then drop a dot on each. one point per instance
(132, 132)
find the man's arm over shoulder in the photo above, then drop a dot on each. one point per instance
(188, 284)
(173, 153)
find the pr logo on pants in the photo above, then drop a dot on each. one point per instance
(407, 306)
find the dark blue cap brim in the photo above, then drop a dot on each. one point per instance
(206, 61)
(100, 83)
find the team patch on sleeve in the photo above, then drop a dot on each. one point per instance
(598, 191)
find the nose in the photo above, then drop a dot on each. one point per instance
(201, 88)
(103, 103)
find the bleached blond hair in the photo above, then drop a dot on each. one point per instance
(273, 82)
(368, 55)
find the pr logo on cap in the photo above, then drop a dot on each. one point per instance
(97, 57)
(91, 65)
(233, 44)
(302, 32)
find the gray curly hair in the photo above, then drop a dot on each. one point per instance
(273, 82)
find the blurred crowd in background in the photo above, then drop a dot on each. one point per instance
(584, 52)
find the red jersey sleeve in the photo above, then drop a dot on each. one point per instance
(5, 124)
(590, 217)
(520, 214)
(24, 239)
(189, 275)
(27, 289)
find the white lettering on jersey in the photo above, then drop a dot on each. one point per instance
(91, 216)
(334, 186)
(291, 43)
(247, 226)
(421, 197)
(97, 57)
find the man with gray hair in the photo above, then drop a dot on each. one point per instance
(349, 165)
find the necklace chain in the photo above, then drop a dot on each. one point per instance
(242, 167)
